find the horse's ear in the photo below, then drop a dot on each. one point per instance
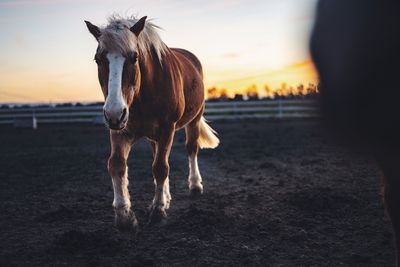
(138, 27)
(93, 29)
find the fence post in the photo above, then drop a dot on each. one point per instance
(235, 111)
(280, 111)
(34, 120)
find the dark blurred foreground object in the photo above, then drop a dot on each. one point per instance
(356, 49)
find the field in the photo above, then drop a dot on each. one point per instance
(277, 193)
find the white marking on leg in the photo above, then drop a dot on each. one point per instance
(121, 193)
(194, 174)
(162, 197)
(167, 194)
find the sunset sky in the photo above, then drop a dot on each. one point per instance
(46, 52)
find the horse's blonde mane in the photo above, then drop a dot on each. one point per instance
(117, 37)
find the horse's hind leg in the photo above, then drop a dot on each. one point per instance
(117, 166)
(192, 135)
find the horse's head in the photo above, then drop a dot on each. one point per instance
(117, 58)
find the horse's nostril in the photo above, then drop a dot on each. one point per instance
(123, 115)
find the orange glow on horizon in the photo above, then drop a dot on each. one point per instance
(52, 87)
(47, 87)
(298, 73)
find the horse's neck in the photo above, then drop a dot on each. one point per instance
(153, 72)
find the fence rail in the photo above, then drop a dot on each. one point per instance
(30, 117)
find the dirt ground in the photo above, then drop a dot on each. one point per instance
(277, 193)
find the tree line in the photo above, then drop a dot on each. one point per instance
(253, 93)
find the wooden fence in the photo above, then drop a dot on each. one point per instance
(227, 110)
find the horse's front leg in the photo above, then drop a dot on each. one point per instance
(125, 219)
(161, 151)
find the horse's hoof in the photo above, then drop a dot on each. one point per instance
(167, 204)
(157, 215)
(196, 191)
(126, 221)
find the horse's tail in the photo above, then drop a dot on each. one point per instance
(207, 138)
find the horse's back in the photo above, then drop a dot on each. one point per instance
(191, 57)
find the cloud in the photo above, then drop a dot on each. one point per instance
(20, 41)
(231, 55)
(305, 63)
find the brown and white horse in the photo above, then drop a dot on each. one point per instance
(150, 91)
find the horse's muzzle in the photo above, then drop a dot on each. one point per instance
(117, 122)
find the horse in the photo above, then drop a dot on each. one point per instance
(150, 91)
(355, 46)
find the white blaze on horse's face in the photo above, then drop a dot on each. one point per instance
(115, 107)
